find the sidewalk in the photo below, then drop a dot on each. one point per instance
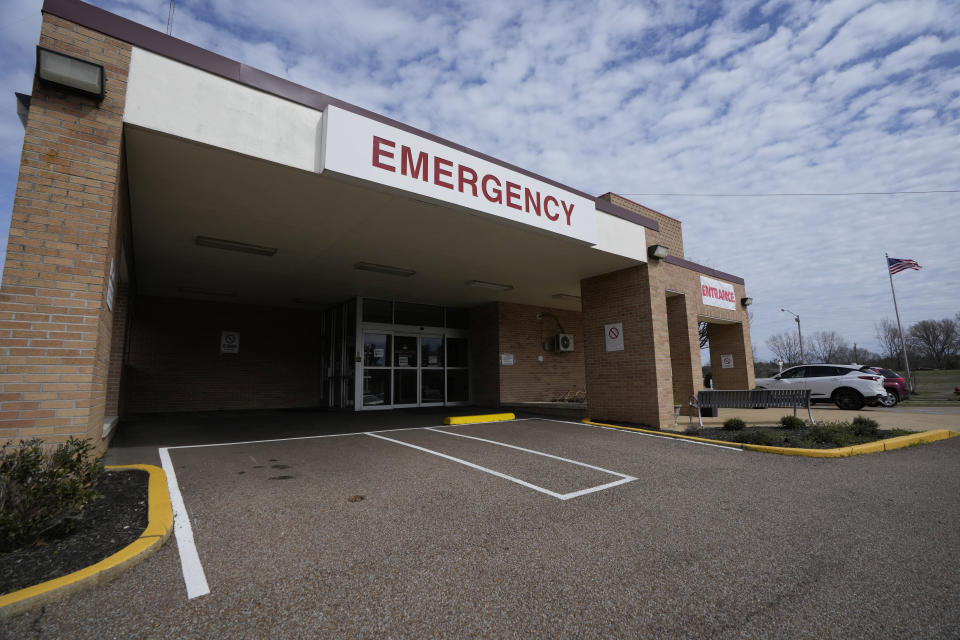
(899, 417)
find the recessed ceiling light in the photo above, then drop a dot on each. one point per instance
(488, 285)
(232, 245)
(384, 268)
(566, 296)
(207, 292)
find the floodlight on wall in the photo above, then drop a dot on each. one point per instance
(384, 268)
(488, 285)
(233, 245)
(566, 296)
(657, 251)
(70, 73)
(746, 301)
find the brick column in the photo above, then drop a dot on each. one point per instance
(684, 349)
(634, 385)
(731, 339)
(55, 328)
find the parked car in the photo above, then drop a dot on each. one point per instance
(845, 385)
(894, 383)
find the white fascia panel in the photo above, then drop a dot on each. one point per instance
(620, 237)
(174, 98)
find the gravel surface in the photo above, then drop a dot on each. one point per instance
(708, 542)
(105, 526)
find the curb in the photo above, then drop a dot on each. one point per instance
(490, 417)
(159, 526)
(878, 446)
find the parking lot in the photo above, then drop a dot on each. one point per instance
(537, 528)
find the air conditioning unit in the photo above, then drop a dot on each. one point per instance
(563, 342)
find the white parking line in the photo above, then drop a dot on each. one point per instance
(193, 575)
(560, 496)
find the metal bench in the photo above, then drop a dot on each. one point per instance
(751, 399)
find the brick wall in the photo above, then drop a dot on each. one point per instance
(55, 329)
(118, 341)
(523, 335)
(671, 229)
(174, 361)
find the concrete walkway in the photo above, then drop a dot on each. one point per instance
(900, 417)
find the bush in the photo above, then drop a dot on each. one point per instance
(43, 489)
(864, 426)
(792, 422)
(734, 424)
(838, 434)
(765, 437)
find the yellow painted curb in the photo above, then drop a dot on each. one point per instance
(490, 417)
(159, 526)
(841, 452)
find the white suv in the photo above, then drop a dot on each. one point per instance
(844, 384)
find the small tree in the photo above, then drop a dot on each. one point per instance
(935, 340)
(826, 346)
(785, 346)
(889, 338)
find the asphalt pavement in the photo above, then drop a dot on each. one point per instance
(465, 537)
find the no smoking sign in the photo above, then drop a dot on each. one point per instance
(613, 334)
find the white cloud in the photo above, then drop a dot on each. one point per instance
(657, 97)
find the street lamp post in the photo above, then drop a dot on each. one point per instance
(799, 334)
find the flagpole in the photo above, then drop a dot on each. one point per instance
(896, 310)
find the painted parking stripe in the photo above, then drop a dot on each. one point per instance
(649, 435)
(193, 575)
(539, 453)
(559, 496)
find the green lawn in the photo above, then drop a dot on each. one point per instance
(937, 385)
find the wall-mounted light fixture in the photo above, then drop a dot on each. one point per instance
(488, 285)
(657, 251)
(384, 268)
(70, 73)
(233, 245)
(746, 301)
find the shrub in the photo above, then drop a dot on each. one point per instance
(838, 434)
(864, 426)
(792, 422)
(734, 424)
(43, 489)
(766, 437)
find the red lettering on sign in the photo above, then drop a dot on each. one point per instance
(529, 203)
(462, 179)
(568, 212)
(497, 195)
(513, 193)
(382, 153)
(406, 162)
(437, 172)
(546, 208)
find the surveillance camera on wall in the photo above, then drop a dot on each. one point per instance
(563, 342)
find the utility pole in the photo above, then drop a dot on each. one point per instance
(799, 335)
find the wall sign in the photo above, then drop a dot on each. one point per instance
(717, 294)
(726, 361)
(364, 148)
(506, 359)
(229, 342)
(613, 335)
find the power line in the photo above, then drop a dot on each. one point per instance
(775, 195)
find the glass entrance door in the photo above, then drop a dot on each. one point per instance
(432, 384)
(405, 371)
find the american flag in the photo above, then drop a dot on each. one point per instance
(896, 265)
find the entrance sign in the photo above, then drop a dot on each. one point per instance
(613, 334)
(506, 359)
(229, 342)
(364, 148)
(726, 361)
(717, 294)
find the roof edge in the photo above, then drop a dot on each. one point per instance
(154, 41)
(708, 271)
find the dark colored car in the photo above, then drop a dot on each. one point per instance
(895, 385)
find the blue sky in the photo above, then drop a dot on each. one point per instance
(641, 98)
